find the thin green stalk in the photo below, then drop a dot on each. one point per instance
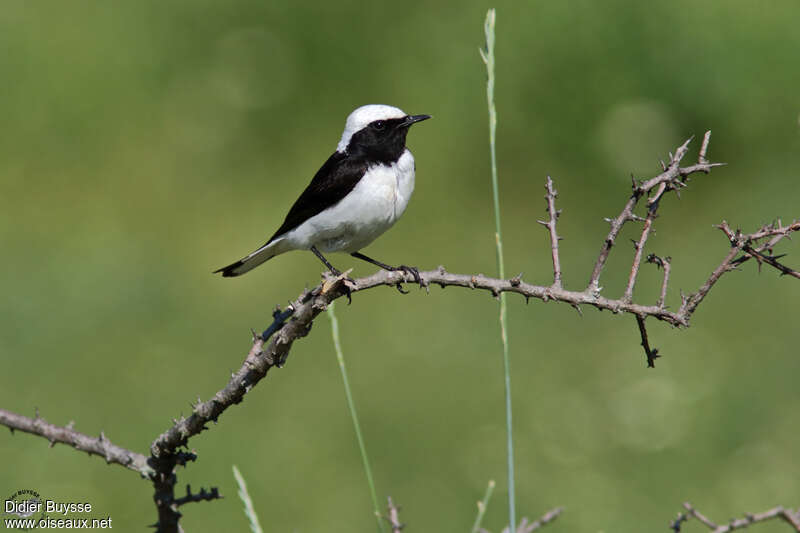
(488, 57)
(249, 510)
(482, 507)
(352, 406)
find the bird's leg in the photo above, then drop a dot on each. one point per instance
(333, 271)
(325, 261)
(402, 268)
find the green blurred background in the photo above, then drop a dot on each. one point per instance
(144, 144)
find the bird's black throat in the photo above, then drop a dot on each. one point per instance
(382, 141)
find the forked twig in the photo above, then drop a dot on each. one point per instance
(790, 516)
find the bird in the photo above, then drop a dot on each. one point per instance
(357, 194)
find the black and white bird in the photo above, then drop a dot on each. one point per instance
(358, 194)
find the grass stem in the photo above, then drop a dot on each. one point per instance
(249, 510)
(352, 407)
(488, 58)
(476, 527)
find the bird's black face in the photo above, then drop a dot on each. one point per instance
(383, 140)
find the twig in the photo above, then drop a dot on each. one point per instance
(672, 177)
(741, 242)
(99, 445)
(202, 496)
(548, 517)
(744, 242)
(255, 367)
(550, 199)
(652, 354)
(527, 527)
(791, 517)
(394, 517)
(652, 208)
(666, 265)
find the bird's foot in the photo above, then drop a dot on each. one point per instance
(408, 270)
(334, 277)
(348, 292)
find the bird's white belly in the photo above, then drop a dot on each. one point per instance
(371, 208)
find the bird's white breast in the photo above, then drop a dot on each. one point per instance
(371, 208)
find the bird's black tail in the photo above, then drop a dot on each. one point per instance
(246, 264)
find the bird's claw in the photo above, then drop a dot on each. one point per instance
(408, 270)
(348, 292)
(413, 271)
(334, 277)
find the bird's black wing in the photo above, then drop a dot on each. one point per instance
(332, 182)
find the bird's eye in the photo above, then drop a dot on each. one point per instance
(379, 125)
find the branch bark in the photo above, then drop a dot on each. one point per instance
(788, 515)
(99, 445)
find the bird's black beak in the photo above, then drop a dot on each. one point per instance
(411, 119)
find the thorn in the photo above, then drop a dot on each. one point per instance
(516, 280)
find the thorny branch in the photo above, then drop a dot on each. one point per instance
(664, 264)
(394, 517)
(673, 177)
(525, 526)
(550, 198)
(202, 496)
(650, 353)
(272, 347)
(790, 516)
(99, 445)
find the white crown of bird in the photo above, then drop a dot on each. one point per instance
(364, 115)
